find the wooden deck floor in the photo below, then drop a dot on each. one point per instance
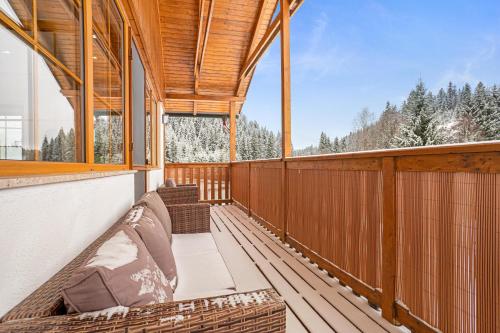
(315, 302)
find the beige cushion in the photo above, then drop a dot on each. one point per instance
(193, 244)
(201, 270)
(153, 201)
(152, 233)
(121, 272)
(170, 183)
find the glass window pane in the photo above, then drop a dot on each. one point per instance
(108, 83)
(16, 90)
(59, 114)
(100, 18)
(20, 11)
(60, 30)
(47, 127)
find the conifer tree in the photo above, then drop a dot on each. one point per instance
(45, 153)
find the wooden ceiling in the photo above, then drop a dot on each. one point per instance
(206, 45)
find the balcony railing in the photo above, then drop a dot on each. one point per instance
(213, 179)
(415, 231)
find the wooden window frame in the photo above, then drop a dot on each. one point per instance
(153, 110)
(9, 168)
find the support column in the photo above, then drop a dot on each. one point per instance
(232, 131)
(286, 144)
(389, 243)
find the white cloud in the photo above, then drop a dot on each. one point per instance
(464, 70)
(318, 57)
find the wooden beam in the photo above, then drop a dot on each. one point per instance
(204, 47)
(232, 131)
(286, 142)
(266, 42)
(203, 98)
(198, 42)
(258, 22)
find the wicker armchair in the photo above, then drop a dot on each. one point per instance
(190, 218)
(181, 194)
(256, 311)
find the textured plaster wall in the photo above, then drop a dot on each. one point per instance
(44, 227)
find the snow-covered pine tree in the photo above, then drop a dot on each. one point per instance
(485, 113)
(325, 145)
(466, 127)
(69, 147)
(387, 126)
(419, 126)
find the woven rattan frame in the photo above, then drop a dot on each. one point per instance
(190, 218)
(258, 311)
(182, 194)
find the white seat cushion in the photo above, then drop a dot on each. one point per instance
(201, 270)
(192, 244)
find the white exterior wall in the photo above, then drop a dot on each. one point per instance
(44, 227)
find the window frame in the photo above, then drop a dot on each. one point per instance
(36, 167)
(153, 110)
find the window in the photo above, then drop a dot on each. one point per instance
(108, 83)
(41, 91)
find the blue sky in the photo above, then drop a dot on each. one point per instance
(347, 55)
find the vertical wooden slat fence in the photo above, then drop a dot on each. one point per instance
(213, 179)
(415, 231)
(240, 178)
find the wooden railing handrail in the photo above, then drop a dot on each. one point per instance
(197, 165)
(473, 147)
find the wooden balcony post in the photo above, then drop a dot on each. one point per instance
(286, 142)
(389, 240)
(232, 131)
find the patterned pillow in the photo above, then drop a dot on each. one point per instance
(153, 201)
(121, 272)
(151, 231)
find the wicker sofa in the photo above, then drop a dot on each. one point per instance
(254, 311)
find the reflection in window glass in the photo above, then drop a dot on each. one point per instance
(60, 30)
(19, 11)
(40, 106)
(148, 127)
(108, 83)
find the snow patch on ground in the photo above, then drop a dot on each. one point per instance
(117, 251)
(108, 313)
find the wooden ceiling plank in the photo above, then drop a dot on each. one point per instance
(203, 98)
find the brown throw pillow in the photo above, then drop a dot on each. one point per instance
(170, 183)
(153, 201)
(152, 233)
(121, 272)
